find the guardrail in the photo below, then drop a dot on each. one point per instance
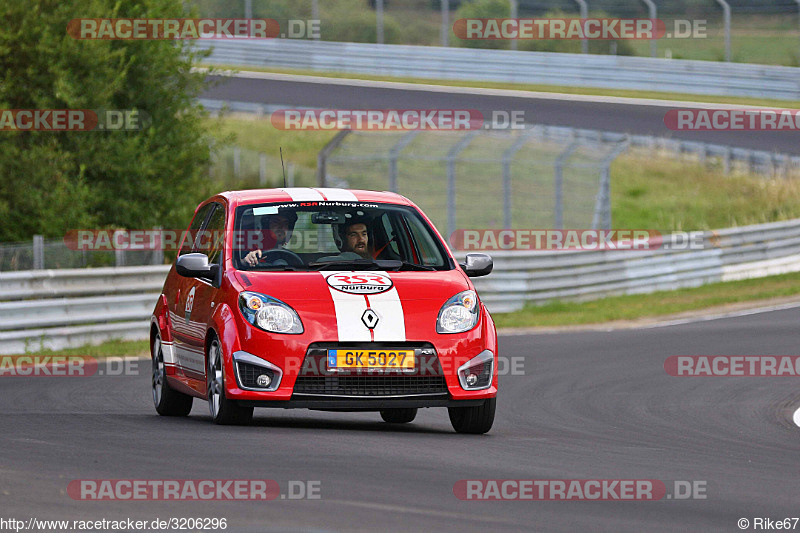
(60, 308)
(104, 303)
(737, 253)
(547, 68)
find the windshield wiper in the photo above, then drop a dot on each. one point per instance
(356, 264)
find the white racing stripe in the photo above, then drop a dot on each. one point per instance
(350, 307)
(337, 195)
(392, 323)
(303, 194)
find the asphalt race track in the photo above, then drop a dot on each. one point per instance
(590, 405)
(641, 119)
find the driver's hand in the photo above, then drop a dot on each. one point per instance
(252, 258)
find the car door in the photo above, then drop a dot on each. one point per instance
(201, 299)
(184, 329)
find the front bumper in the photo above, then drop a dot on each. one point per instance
(306, 379)
(360, 404)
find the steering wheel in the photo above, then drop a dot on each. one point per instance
(291, 258)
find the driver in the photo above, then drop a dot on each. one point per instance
(280, 231)
(355, 238)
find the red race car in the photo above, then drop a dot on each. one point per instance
(326, 299)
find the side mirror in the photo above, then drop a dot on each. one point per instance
(195, 266)
(477, 265)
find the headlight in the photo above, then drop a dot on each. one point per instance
(269, 314)
(458, 314)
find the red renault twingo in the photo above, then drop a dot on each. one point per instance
(325, 299)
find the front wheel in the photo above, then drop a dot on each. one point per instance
(168, 401)
(399, 416)
(223, 411)
(475, 420)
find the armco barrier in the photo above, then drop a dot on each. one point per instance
(547, 68)
(59, 308)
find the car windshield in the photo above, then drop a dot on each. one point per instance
(306, 236)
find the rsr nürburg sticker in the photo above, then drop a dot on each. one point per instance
(360, 282)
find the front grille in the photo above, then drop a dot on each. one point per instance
(366, 385)
(316, 378)
(249, 373)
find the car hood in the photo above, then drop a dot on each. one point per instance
(325, 285)
(362, 306)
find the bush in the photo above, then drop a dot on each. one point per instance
(56, 181)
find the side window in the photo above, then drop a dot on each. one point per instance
(194, 227)
(424, 242)
(214, 235)
(390, 234)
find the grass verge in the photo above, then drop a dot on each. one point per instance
(111, 348)
(635, 306)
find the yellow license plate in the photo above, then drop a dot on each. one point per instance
(400, 359)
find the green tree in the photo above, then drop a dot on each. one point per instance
(51, 182)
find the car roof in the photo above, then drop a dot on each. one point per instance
(310, 194)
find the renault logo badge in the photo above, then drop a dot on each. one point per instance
(370, 318)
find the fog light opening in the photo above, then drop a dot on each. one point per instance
(472, 379)
(263, 380)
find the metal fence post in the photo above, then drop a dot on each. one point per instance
(514, 14)
(726, 13)
(602, 205)
(315, 16)
(653, 16)
(452, 154)
(558, 183)
(584, 15)
(237, 161)
(158, 251)
(119, 253)
(379, 21)
(446, 22)
(394, 154)
(262, 169)
(248, 9)
(38, 252)
(726, 160)
(322, 157)
(508, 155)
(290, 174)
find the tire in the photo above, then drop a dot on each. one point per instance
(475, 420)
(168, 401)
(223, 411)
(399, 416)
